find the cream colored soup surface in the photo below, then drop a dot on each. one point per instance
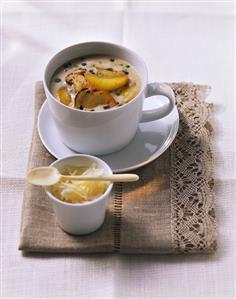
(95, 83)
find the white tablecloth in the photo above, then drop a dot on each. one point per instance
(180, 42)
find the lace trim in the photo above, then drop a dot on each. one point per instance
(192, 199)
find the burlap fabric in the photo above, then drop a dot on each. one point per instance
(170, 210)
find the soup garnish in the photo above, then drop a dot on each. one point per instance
(95, 83)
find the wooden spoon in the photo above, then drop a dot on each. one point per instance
(47, 176)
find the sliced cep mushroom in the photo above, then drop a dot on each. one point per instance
(90, 99)
(63, 95)
(72, 75)
(77, 79)
(106, 80)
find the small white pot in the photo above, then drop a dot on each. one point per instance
(103, 132)
(83, 218)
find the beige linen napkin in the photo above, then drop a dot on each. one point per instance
(170, 210)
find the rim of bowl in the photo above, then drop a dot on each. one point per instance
(109, 188)
(98, 42)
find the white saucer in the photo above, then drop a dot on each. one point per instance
(150, 141)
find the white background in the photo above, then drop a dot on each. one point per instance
(180, 41)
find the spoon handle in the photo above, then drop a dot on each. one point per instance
(127, 177)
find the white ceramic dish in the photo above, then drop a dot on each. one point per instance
(81, 218)
(150, 141)
(107, 131)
